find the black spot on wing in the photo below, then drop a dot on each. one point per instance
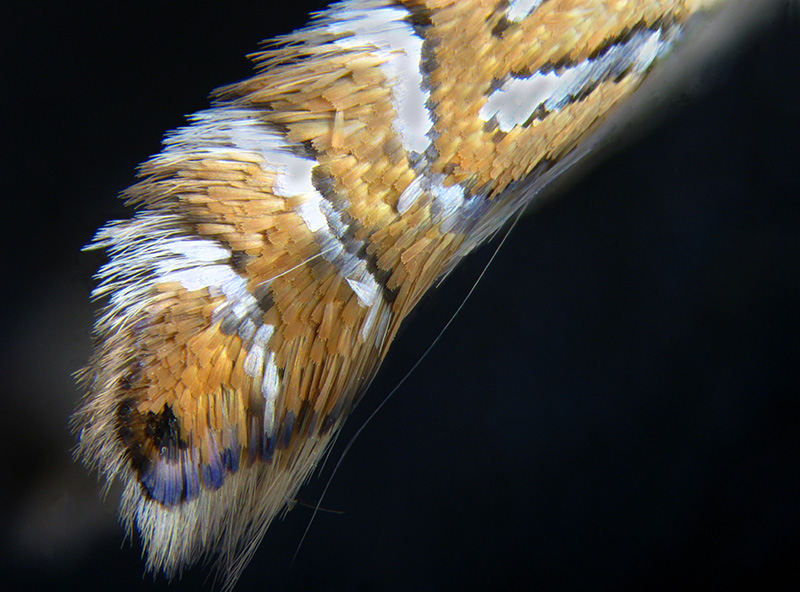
(501, 26)
(164, 431)
(168, 466)
(419, 18)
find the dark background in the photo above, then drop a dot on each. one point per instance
(616, 407)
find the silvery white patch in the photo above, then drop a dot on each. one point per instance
(519, 9)
(518, 98)
(384, 29)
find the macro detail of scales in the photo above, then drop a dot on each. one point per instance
(283, 235)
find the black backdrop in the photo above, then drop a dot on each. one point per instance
(615, 407)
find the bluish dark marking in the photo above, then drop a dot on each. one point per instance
(214, 473)
(313, 418)
(173, 484)
(286, 430)
(163, 482)
(269, 448)
(332, 417)
(191, 482)
(231, 457)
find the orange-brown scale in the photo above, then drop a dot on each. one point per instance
(354, 100)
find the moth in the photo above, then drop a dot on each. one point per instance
(284, 234)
